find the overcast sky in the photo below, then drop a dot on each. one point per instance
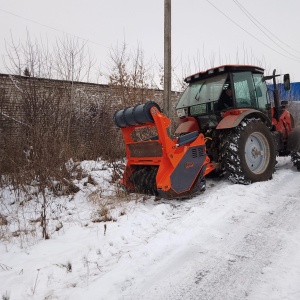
(205, 33)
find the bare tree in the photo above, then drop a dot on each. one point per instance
(67, 59)
(130, 75)
(72, 59)
(48, 109)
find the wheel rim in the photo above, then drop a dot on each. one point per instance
(257, 153)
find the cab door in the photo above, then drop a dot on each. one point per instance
(251, 92)
(244, 90)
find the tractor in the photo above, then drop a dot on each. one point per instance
(229, 125)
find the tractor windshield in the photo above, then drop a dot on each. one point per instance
(202, 94)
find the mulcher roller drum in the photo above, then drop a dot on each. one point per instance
(135, 115)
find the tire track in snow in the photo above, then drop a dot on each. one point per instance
(229, 267)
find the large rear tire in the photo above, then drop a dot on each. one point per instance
(249, 152)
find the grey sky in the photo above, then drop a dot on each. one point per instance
(202, 36)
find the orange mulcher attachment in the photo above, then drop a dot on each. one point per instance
(161, 166)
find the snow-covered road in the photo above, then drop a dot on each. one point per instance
(237, 250)
(231, 242)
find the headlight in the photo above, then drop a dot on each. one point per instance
(181, 112)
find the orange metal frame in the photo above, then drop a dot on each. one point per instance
(171, 153)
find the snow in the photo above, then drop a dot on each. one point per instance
(230, 242)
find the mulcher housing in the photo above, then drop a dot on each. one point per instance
(238, 139)
(161, 166)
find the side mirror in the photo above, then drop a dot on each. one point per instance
(286, 82)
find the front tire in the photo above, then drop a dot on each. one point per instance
(249, 152)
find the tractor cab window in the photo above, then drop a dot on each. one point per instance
(200, 96)
(261, 93)
(244, 90)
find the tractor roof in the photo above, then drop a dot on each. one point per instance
(223, 69)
